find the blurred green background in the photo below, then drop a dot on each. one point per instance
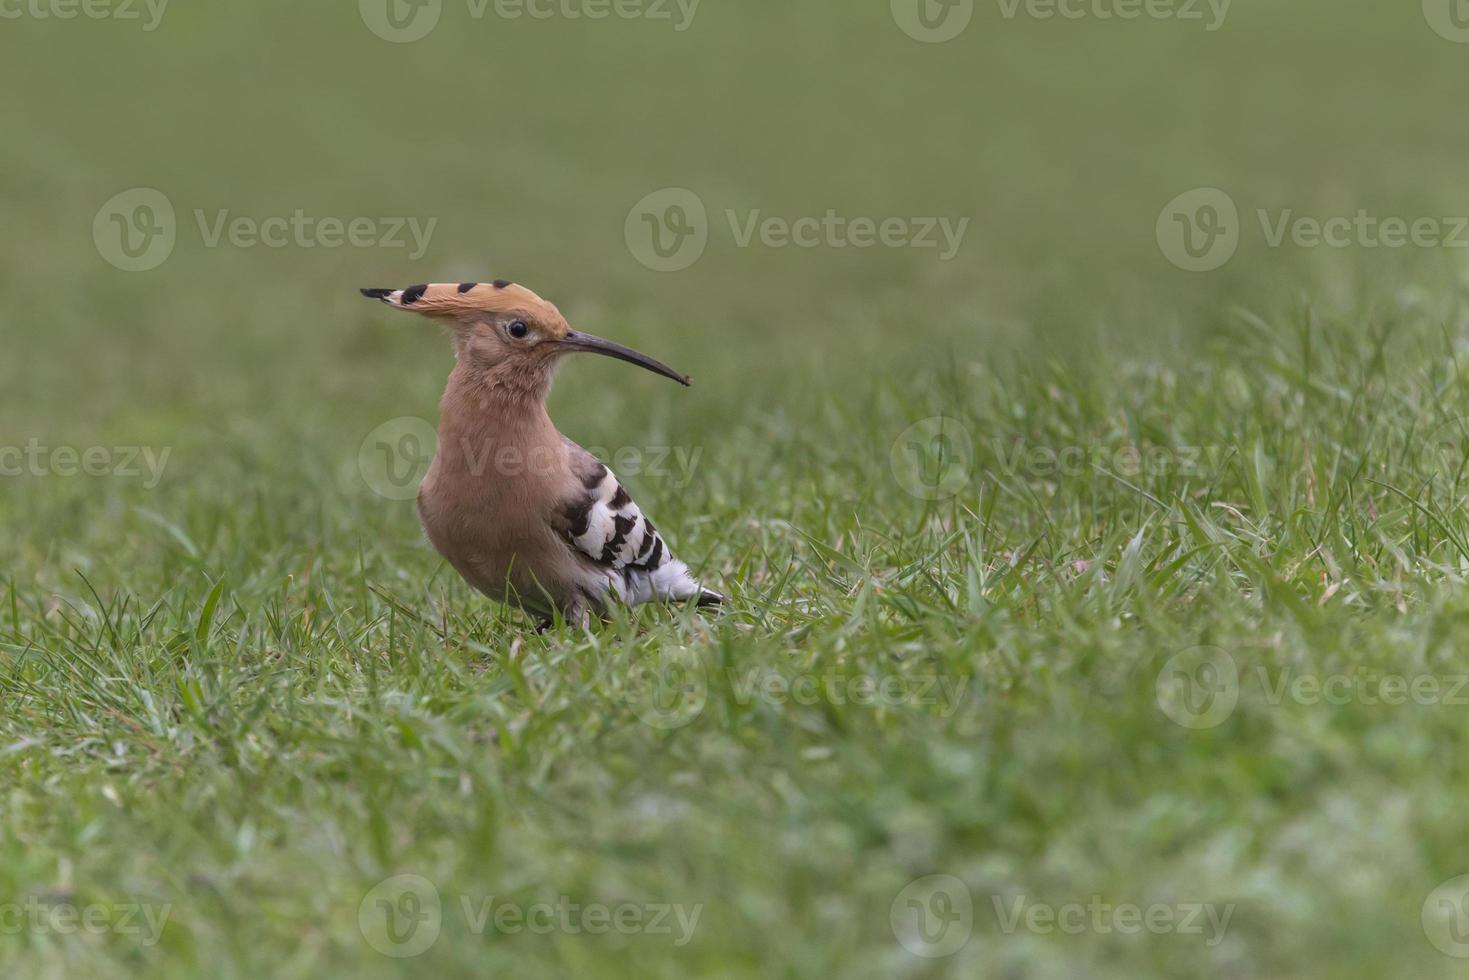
(527, 143)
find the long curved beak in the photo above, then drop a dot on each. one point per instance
(578, 341)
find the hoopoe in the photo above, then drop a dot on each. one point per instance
(524, 514)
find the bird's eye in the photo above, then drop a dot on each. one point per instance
(518, 329)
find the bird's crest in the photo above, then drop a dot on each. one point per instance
(457, 299)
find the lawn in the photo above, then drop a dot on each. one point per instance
(1090, 616)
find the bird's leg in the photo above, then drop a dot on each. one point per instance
(578, 615)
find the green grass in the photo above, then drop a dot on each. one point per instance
(248, 692)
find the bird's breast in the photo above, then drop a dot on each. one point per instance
(494, 520)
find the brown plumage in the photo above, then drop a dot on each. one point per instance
(524, 514)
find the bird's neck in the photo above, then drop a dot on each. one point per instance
(482, 413)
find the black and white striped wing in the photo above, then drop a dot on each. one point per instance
(606, 526)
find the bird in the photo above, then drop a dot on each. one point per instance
(525, 515)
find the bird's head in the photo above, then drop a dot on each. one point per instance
(508, 332)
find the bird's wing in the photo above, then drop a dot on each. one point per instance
(605, 526)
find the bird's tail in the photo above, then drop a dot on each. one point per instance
(708, 597)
